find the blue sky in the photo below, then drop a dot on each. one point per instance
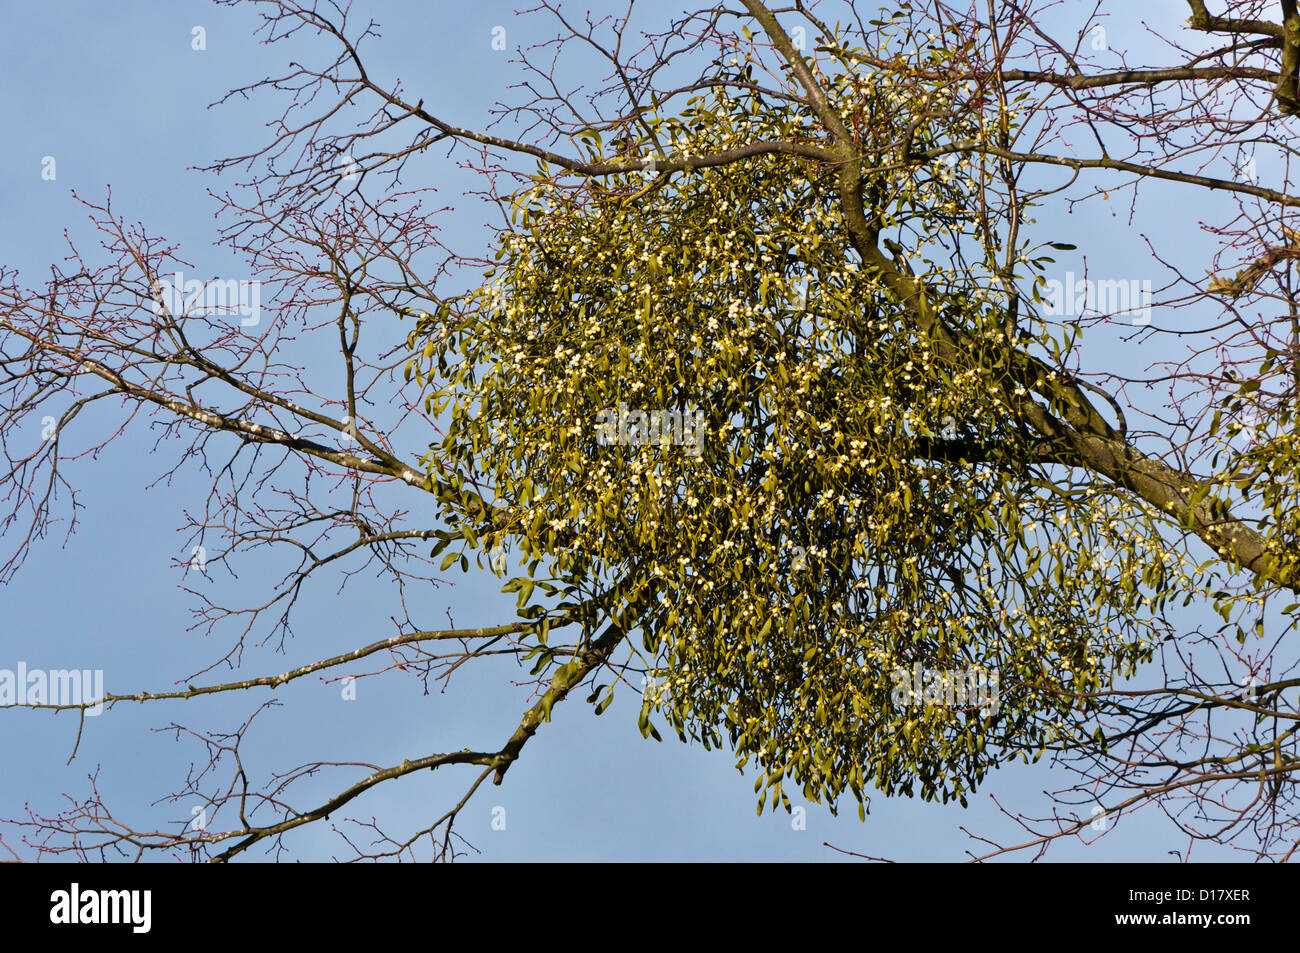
(116, 94)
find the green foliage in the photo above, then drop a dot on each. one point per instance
(859, 505)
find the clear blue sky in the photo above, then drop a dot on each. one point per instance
(116, 94)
